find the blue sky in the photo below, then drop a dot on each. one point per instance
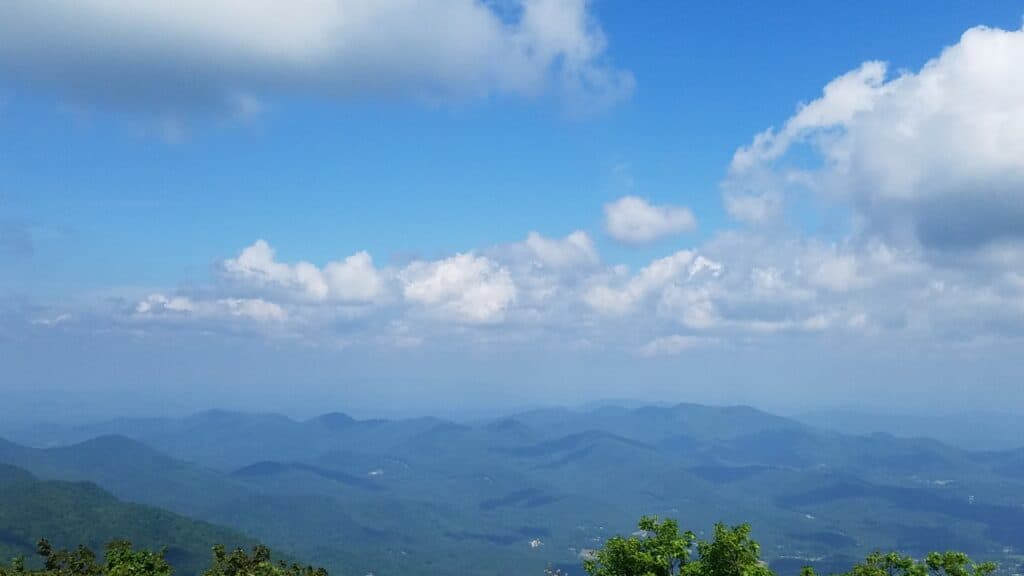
(145, 155)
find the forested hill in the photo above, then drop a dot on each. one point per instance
(73, 513)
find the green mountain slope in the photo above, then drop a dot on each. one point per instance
(130, 470)
(72, 513)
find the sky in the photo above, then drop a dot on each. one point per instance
(438, 206)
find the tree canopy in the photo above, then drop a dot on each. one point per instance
(121, 559)
(658, 548)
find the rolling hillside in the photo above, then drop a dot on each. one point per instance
(73, 513)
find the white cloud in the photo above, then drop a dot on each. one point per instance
(758, 207)
(843, 98)
(51, 322)
(465, 287)
(256, 264)
(616, 298)
(633, 220)
(158, 303)
(547, 273)
(353, 280)
(673, 345)
(253, 308)
(836, 272)
(576, 249)
(167, 56)
(693, 306)
(934, 156)
(160, 306)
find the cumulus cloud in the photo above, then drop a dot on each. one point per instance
(617, 297)
(174, 57)
(934, 156)
(548, 272)
(354, 279)
(465, 287)
(929, 165)
(633, 220)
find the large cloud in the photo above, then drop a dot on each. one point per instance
(465, 287)
(934, 156)
(354, 279)
(172, 57)
(620, 297)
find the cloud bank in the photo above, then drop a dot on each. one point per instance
(928, 166)
(174, 58)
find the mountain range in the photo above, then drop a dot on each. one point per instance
(511, 495)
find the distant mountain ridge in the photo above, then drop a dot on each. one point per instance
(980, 431)
(389, 496)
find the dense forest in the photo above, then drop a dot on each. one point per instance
(81, 513)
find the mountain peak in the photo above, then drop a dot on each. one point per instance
(335, 420)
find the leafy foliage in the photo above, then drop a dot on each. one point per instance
(659, 549)
(121, 559)
(731, 552)
(935, 564)
(259, 563)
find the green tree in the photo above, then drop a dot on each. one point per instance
(78, 562)
(259, 563)
(732, 552)
(935, 564)
(659, 550)
(122, 560)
